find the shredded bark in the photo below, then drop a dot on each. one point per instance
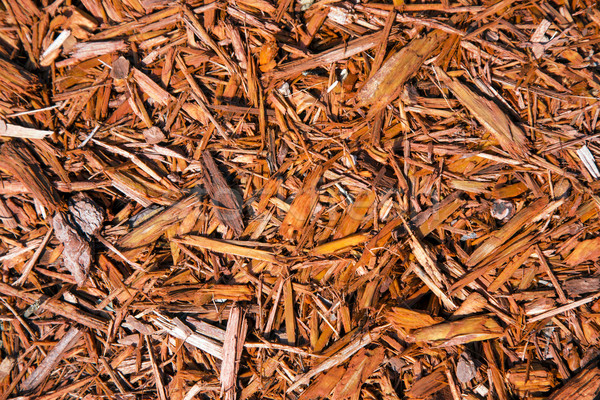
(259, 199)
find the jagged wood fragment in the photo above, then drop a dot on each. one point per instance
(355, 215)
(358, 342)
(323, 385)
(531, 378)
(158, 379)
(154, 227)
(583, 386)
(151, 88)
(87, 50)
(522, 218)
(430, 274)
(586, 250)
(428, 385)
(31, 262)
(227, 206)
(387, 83)
(509, 135)
(233, 345)
(179, 330)
(470, 329)
(579, 286)
(360, 367)
(302, 207)
(6, 216)
(335, 54)
(17, 159)
(6, 367)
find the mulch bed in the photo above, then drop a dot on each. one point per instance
(261, 199)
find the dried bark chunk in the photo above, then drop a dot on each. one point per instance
(153, 135)
(583, 386)
(86, 214)
(465, 368)
(531, 378)
(120, 68)
(77, 252)
(502, 210)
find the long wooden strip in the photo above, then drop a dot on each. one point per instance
(565, 308)
(63, 391)
(235, 334)
(62, 308)
(11, 130)
(46, 367)
(220, 246)
(327, 57)
(342, 243)
(158, 380)
(179, 330)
